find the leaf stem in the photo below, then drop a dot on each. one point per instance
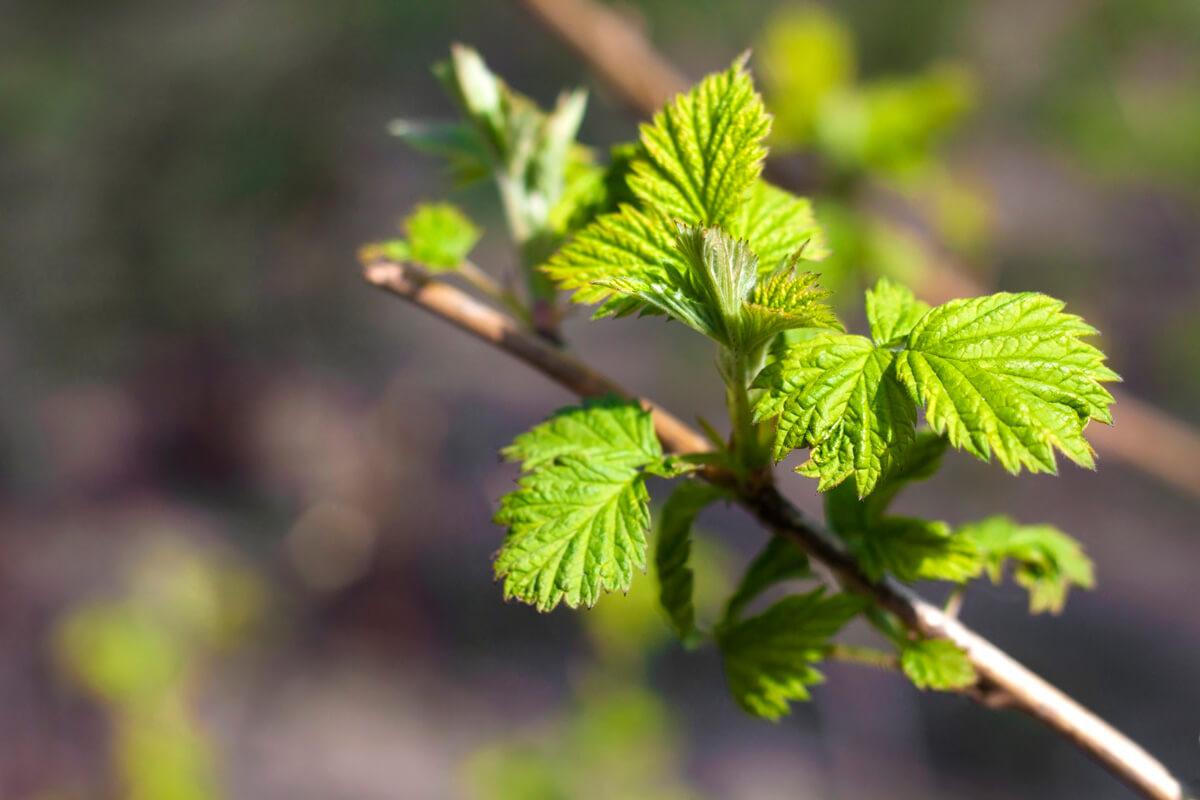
(746, 440)
(487, 285)
(535, 243)
(863, 655)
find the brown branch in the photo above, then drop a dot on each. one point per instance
(1144, 437)
(1003, 680)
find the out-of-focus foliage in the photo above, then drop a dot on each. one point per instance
(615, 741)
(616, 737)
(887, 129)
(810, 76)
(1122, 97)
(142, 653)
(438, 238)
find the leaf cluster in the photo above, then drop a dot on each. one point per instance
(1008, 375)
(682, 224)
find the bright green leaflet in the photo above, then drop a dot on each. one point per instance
(837, 394)
(578, 521)
(1009, 375)
(769, 657)
(1046, 561)
(937, 664)
(704, 149)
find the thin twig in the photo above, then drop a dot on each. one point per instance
(1145, 437)
(491, 288)
(954, 602)
(1000, 675)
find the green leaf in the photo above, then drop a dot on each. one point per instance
(937, 664)
(787, 299)
(914, 549)
(576, 529)
(780, 560)
(778, 224)
(910, 549)
(1046, 561)
(458, 142)
(717, 292)
(769, 657)
(698, 164)
(578, 521)
(608, 430)
(1008, 375)
(439, 236)
(528, 151)
(838, 395)
(673, 549)
(892, 311)
(629, 244)
(704, 149)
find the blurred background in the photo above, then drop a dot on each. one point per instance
(245, 500)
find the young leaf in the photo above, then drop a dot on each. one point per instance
(458, 142)
(439, 236)
(892, 311)
(1008, 374)
(629, 244)
(673, 549)
(607, 429)
(780, 560)
(769, 657)
(704, 149)
(937, 664)
(717, 292)
(787, 300)
(914, 549)
(576, 529)
(578, 521)
(1047, 561)
(778, 224)
(698, 164)
(838, 394)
